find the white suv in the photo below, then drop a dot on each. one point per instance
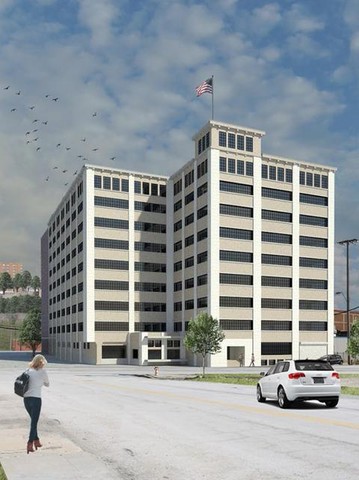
(298, 380)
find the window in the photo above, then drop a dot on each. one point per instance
(231, 140)
(189, 283)
(280, 303)
(313, 283)
(249, 144)
(237, 233)
(124, 184)
(137, 186)
(202, 212)
(222, 164)
(177, 206)
(189, 219)
(311, 220)
(177, 226)
(177, 266)
(111, 223)
(113, 244)
(111, 305)
(189, 262)
(97, 181)
(150, 207)
(309, 179)
(177, 246)
(110, 264)
(231, 165)
(202, 280)
(177, 306)
(249, 169)
(280, 174)
(313, 262)
(111, 285)
(313, 305)
(314, 199)
(324, 181)
(189, 178)
(276, 325)
(275, 216)
(240, 167)
(222, 139)
(189, 305)
(145, 188)
(302, 178)
(202, 257)
(240, 142)
(202, 169)
(235, 279)
(202, 302)
(236, 324)
(150, 247)
(316, 180)
(177, 286)
(233, 256)
(202, 235)
(276, 259)
(236, 302)
(284, 282)
(276, 238)
(202, 189)
(111, 326)
(114, 351)
(189, 241)
(272, 172)
(150, 267)
(235, 210)
(313, 241)
(288, 175)
(313, 326)
(150, 307)
(150, 227)
(154, 189)
(277, 194)
(276, 348)
(264, 171)
(106, 183)
(189, 198)
(235, 188)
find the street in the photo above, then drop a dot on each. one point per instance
(143, 427)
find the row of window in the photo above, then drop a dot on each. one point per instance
(271, 281)
(236, 256)
(141, 187)
(124, 225)
(239, 167)
(203, 143)
(238, 142)
(273, 303)
(275, 325)
(123, 285)
(64, 226)
(202, 169)
(66, 208)
(280, 174)
(272, 215)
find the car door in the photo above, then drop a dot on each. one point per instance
(275, 379)
(266, 380)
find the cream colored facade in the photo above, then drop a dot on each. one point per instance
(245, 236)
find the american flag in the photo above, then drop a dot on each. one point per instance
(205, 87)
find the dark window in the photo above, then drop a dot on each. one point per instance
(268, 281)
(222, 139)
(276, 237)
(231, 140)
(288, 175)
(150, 267)
(249, 144)
(236, 302)
(235, 279)
(276, 325)
(313, 262)
(189, 262)
(313, 242)
(111, 285)
(203, 234)
(276, 216)
(124, 185)
(277, 194)
(311, 326)
(97, 181)
(313, 305)
(235, 187)
(249, 169)
(222, 164)
(231, 165)
(111, 223)
(314, 199)
(116, 184)
(276, 259)
(324, 181)
(313, 283)
(114, 351)
(113, 244)
(106, 183)
(202, 280)
(311, 220)
(235, 210)
(189, 241)
(111, 326)
(236, 324)
(240, 142)
(281, 303)
(264, 171)
(111, 264)
(202, 212)
(238, 233)
(150, 247)
(276, 348)
(111, 305)
(150, 227)
(233, 256)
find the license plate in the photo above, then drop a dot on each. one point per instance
(318, 379)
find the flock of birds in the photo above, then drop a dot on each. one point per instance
(37, 129)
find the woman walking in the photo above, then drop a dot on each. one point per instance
(32, 398)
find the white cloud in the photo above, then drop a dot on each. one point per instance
(98, 17)
(300, 20)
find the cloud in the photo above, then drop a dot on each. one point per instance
(98, 17)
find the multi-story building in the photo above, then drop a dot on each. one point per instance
(129, 258)
(11, 268)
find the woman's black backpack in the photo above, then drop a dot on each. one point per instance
(21, 384)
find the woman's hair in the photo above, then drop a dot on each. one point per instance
(38, 361)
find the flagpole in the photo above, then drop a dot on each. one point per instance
(212, 97)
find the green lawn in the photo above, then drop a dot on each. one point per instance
(252, 379)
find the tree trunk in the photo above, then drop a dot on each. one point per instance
(203, 365)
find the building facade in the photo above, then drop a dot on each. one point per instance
(11, 268)
(131, 257)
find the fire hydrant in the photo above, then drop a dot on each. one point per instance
(156, 371)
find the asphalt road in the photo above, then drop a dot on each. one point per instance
(158, 428)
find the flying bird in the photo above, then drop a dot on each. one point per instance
(65, 184)
(75, 173)
(44, 123)
(6, 88)
(13, 110)
(83, 139)
(68, 148)
(58, 145)
(94, 114)
(55, 168)
(28, 141)
(47, 179)
(38, 148)
(34, 121)
(18, 93)
(32, 107)
(36, 139)
(55, 99)
(94, 149)
(47, 96)
(27, 133)
(64, 171)
(79, 156)
(112, 158)
(35, 130)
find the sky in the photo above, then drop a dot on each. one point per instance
(112, 82)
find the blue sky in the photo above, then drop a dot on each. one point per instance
(288, 67)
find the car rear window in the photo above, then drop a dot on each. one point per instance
(312, 365)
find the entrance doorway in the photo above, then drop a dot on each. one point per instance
(235, 356)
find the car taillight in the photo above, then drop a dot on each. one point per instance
(335, 374)
(296, 375)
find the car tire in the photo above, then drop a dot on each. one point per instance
(332, 403)
(283, 401)
(260, 397)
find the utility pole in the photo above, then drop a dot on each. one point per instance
(347, 243)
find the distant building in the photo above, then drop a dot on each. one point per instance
(129, 258)
(341, 321)
(11, 268)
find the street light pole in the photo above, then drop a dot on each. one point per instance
(347, 243)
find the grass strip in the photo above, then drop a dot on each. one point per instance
(252, 379)
(2, 473)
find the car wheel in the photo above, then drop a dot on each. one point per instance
(260, 397)
(282, 398)
(332, 403)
